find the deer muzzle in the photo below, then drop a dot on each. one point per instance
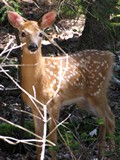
(32, 47)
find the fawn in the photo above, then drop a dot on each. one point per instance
(80, 77)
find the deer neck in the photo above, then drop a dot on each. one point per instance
(32, 67)
(29, 58)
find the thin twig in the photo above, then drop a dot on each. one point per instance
(8, 6)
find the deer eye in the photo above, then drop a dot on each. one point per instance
(40, 34)
(23, 34)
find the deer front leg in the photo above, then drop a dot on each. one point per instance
(54, 116)
(39, 126)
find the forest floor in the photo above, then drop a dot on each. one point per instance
(10, 99)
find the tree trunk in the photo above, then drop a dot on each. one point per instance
(97, 33)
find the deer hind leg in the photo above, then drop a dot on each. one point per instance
(102, 140)
(101, 107)
(89, 105)
(97, 107)
(108, 128)
(110, 119)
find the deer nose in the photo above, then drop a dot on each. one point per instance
(32, 47)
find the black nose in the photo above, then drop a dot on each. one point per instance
(32, 47)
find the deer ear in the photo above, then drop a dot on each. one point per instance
(15, 19)
(47, 20)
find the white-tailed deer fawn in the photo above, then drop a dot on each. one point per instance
(80, 77)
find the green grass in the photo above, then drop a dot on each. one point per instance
(13, 131)
(78, 140)
(73, 137)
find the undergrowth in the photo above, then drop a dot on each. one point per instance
(73, 138)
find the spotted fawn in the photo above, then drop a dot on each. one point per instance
(81, 78)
